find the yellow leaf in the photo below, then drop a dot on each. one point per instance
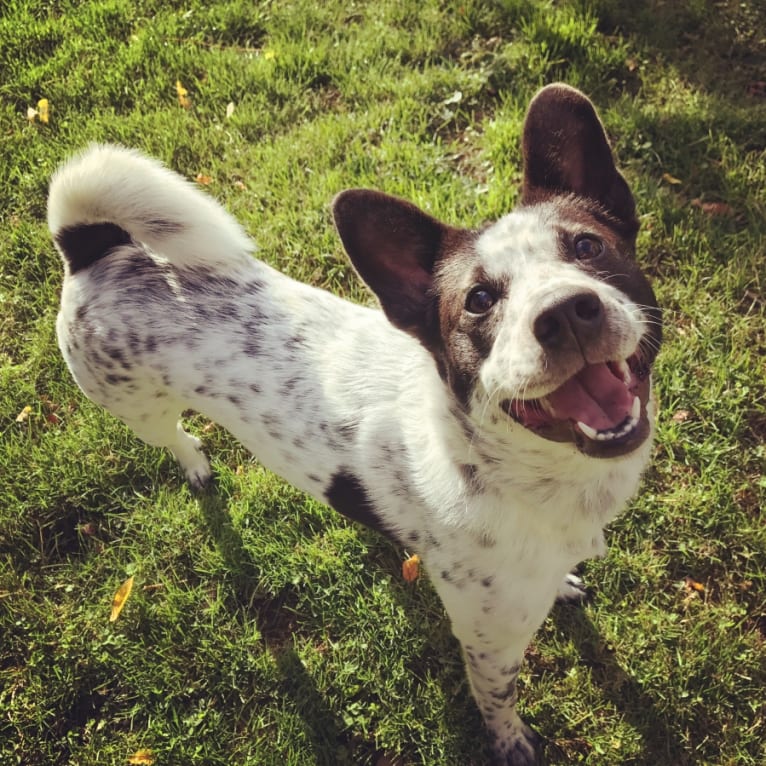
(120, 597)
(269, 54)
(671, 179)
(142, 758)
(203, 180)
(183, 95)
(43, 110)
(411, 568)
(692, 584)
(31, 113)
(24, 414)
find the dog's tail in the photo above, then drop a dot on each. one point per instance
(110, 196)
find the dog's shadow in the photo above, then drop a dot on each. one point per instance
(324, 732)
(661, 745)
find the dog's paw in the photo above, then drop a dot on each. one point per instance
(195, 465)
(572, 589)
(524, 747)
(200, 479)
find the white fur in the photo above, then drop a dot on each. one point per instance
(497, 557)
(148, 192)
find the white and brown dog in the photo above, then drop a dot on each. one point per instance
(493, 417)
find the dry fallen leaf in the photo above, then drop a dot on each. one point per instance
(692, 584)
(671, 179)
(43, 110)
(142, 758)
(680, 416)
(184, 99)
(24, 414)
(411, 568)
(714, 209)
(120, 597)
(229, 109)
(203, 180)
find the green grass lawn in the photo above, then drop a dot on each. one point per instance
(262, 628)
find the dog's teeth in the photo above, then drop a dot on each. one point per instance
(624, 429)
(624, 370)
(591, 433)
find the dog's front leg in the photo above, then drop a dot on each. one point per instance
(493, 634)
(492, 674)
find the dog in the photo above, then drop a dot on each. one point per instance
(493, 417)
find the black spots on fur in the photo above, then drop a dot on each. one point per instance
(116, 354)
(471, 478)
(295, 343)
(134, 343)
(235, 400)
(255, 388)
(289, 386)
(114, 380)
(228, 312)
(84, 244)
(331, 436)
(505, 693)
(253, 286)
(347, 430)
(208, 390)
(347, 495)
(413, 537)
(162, 226)
(81, 313)
(251, 347)
(487, 581)
(271, 420)
(150, 344)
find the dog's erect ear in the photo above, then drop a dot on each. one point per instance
(395, 247)
(566, 151)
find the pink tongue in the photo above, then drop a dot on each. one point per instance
(595, 396)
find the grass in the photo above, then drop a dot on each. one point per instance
(263, 629)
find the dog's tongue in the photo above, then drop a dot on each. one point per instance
(595, 396)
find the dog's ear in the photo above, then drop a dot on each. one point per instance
(566, 151)
(395, 248)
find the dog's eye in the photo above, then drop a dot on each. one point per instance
(479, 301)
(587, 247)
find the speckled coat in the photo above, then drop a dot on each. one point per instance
(493, 417)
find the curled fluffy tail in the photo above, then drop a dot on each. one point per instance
(110, 196)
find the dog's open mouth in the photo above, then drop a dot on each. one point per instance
(602, 409)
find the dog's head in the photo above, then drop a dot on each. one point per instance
(543, 316)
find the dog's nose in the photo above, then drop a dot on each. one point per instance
(577, 317)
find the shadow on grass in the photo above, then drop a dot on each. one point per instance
(325, 732)
(717, 46)
(661, 745)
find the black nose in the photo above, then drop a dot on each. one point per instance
(577, 317)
